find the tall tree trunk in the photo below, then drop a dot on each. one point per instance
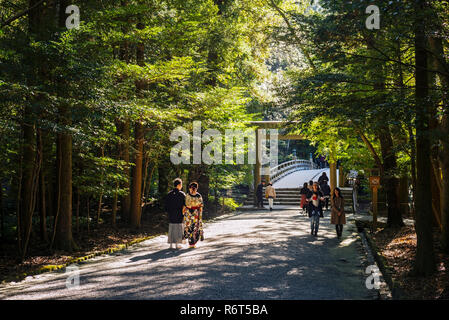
(2, 213)
(28, 166)
(78, 203)
(28, 181)
(436, 198)
(100, 203)
(114, 206)
(390, 181)
(136, 191)
(412, 142)
(404, 196)
(100, 200)
(444, 160)
(88, 215)
(123, 129)
(442, 66)
(50, 188)
(146, 160)
(425, 256)
(63, 238)
(403, 184)
(58, 188)
(48, 166)
(42, 203)
(436, 182)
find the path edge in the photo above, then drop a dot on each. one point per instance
(59, 267)
(394, 288)
(114, 249)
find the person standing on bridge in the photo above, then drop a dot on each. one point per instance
(174, 205)
(259, 194)
(315, 208)
(270, 194)
(338, 211)
(193, 216)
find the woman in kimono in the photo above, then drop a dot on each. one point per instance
(338, 216)
(193, 216)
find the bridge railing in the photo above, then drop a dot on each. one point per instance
(285, 168)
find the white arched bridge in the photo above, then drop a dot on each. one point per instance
(285, 169)
(289, 177)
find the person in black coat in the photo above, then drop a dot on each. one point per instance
(174, 205)
(323, 179)
(259, 194)
(304, 192)
(315, 199)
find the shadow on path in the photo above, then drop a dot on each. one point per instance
(256, 257)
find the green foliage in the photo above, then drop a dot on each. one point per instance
(355, 81)
(202, 61)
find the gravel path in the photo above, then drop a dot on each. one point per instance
(253, 255)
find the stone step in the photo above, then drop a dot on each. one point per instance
(282, 193)
(277, 200)
(286, 195)
(288, 201)
(292, 197)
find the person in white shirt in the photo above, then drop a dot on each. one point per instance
(270, 194)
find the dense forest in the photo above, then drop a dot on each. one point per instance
(86, 110)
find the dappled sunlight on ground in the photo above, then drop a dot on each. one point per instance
(347, 242)
(256, 255)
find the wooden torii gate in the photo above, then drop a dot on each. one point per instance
(279, 125)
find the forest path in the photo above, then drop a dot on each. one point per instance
(256, 255)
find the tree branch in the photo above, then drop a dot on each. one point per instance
(293, 32)
(22, 13)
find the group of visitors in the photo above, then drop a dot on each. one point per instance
(315, 195)
(185, 214)
(185, 210)
(321, 162)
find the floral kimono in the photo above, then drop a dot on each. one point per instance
(193, 218)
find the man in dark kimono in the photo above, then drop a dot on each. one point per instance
(174, 204)
(259, 194)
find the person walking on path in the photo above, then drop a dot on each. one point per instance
(310, 186)
(338, 216)
(323, 179)
(193, 216)
(304, 192)
(270, 194)
(174, 205)
(259, 194)
(326, 190)
(315, 208)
